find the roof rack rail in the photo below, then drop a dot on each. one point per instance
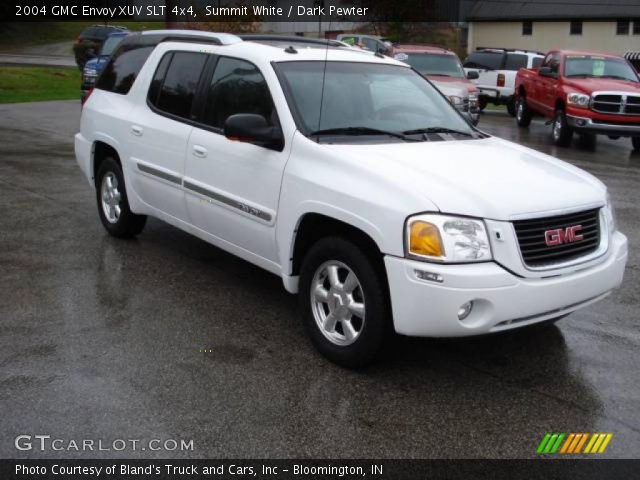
(256, 37)
(196, 36)
(511, 50)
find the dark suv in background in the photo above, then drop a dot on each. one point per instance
(90, 41)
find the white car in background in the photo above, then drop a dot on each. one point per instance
(351, 178)
(497, 69)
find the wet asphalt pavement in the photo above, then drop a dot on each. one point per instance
(102, 338)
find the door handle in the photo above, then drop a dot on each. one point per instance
(136, 130)
(199, 151)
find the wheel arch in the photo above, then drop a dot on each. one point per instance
(101, 150)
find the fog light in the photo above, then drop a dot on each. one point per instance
(465, 310)
(581, 122)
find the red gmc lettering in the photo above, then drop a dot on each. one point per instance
(561, 236)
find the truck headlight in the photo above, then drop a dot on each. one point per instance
(610, 215)
(455, 100)
(578, 100)
(473, 100)
(447, 239)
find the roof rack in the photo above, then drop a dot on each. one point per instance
(290, 39)
(511, 50)
(191, 36)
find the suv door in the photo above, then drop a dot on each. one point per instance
(161, 129)
(232, 188)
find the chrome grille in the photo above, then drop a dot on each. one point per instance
(534, 249)
(616, 103)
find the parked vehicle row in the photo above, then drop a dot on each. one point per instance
(352, 178)
(90, 41)
(583, 92)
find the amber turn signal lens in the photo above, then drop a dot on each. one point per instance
(425, 240)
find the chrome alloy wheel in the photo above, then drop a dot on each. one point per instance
(557, 127)
(337, 303)
(110, 197)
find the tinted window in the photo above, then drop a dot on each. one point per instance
(158, 78)
(536, 62)
(178, 89)
(484, 60)
(237, 87)
(123, 68)
(515, 61)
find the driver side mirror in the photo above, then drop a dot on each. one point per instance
(473, 75)
(254, 129)
(545, 72)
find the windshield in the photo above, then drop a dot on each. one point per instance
(110, 44)
(430, 64)
(365, 97)
(603, 67)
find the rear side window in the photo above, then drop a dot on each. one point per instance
(484, 60)
(515, 61)
(175, 83)
(123, 68)
(237, 86)
(537, 61)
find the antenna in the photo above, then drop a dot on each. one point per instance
(324, 73)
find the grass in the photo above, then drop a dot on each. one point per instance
(37, 84)
(14, 35)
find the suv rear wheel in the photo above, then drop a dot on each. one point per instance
(344, 302)
(113, 205)
(561, 131)
(523, 114)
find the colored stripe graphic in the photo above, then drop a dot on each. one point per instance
(573, 443)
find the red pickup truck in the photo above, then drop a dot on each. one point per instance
(584, 92)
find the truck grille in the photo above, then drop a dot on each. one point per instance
(617, 104)
(533, 246)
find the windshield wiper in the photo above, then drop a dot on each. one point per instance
(437, 130)
(356, 131)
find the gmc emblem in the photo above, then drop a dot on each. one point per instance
(560, 236)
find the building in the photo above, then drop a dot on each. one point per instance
(542, 25)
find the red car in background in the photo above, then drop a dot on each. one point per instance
(584, 92)
(444, 69)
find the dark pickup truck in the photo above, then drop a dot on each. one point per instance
(584, 92)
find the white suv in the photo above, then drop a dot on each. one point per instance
(497, 69)
(353, 179)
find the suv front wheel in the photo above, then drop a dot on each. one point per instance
(344, 302)
(113, 205)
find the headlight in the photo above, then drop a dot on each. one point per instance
(455, 100)
(473, 99)
(578, 100)
(610, 215)
(447, 239)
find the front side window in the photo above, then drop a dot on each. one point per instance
(365, 97)
(237, 86)
(593, 66)
(433, 64)
(175, 83)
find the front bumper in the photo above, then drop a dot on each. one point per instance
(590, 125)
(502, 301)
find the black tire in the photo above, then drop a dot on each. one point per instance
(126, 224)
(372, 291)
(482, 103)
(511, 107)
(523, 113)
(635, 141)
(561, 132)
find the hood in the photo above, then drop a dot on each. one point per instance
(590, 85)
(487, 178)
(461, 83)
